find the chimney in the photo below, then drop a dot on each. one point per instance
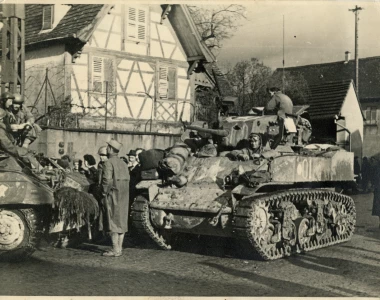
(347, 56)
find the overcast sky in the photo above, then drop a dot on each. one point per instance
(315, 32)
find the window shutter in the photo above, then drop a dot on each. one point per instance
(373, 115)
(171, 83)
(109, 75)
(136, 24)
(97, 74)
(141, 27)
(131, 23)
(47, 17)
(163, 83)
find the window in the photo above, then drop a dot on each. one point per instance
(102, 73)
(47, 17)
(370, 115)
(136, 24)
(167, 83)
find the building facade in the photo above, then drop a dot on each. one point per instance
(132, 64)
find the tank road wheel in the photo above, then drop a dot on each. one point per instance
(17, 233)
(282, 223)
(251, 223)
(145, 229)
(303, 232)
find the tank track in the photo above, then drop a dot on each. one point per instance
(141, 222)
(306, 220)
(32, 220)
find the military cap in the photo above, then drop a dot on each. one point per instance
(102, 150)
(18, 99)
(115, 144)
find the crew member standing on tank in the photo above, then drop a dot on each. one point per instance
(279, 105)
(115, 185)
(24, 130)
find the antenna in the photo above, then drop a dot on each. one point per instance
(283, 53)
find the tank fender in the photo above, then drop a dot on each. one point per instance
(16, 188)
(149, 187)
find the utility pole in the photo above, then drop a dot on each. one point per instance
(356, 11)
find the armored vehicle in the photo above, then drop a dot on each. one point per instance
(285, 199)
(26, 200)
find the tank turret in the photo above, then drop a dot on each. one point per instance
(294, 131)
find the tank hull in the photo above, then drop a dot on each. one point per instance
(278, 214)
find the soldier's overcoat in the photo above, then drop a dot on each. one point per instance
(115, 185)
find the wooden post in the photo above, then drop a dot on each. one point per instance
(46, 89)
(105, 120)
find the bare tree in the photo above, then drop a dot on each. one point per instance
(295, 87)
(217, 23)
(249, 79)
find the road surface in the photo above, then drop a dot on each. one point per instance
(349, 269)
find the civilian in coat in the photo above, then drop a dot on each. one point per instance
(115, 187)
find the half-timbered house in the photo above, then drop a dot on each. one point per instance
(130, 64)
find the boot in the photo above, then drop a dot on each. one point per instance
(115, 246)
(120, 242)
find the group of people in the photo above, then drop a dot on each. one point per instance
(114, 180)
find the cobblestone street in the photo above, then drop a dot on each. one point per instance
(349, 269)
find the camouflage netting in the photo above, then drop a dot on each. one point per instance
(75, 208)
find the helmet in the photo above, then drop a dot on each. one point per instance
(2, 113)
(7, 95)
(102, 150)
(18, 99)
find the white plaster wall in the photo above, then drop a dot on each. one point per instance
(44, 57)
(354, 120)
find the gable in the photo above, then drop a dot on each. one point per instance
(326, 100)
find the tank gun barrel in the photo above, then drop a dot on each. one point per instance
(219, 132)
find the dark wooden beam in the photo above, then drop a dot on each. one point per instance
(165, 13)
(191, 68)
(192, 58)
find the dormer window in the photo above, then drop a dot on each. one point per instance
(47, 17)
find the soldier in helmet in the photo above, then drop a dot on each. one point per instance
(6, 101)
(24, 130)
(6, 145)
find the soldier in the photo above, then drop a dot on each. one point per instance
(24, 130)
(102, 152)
(115, 185)
(251, 150)
(7, 146)
(6, 104)
(279, 104)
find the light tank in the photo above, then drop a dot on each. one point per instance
(27, 198)
(286, 200)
